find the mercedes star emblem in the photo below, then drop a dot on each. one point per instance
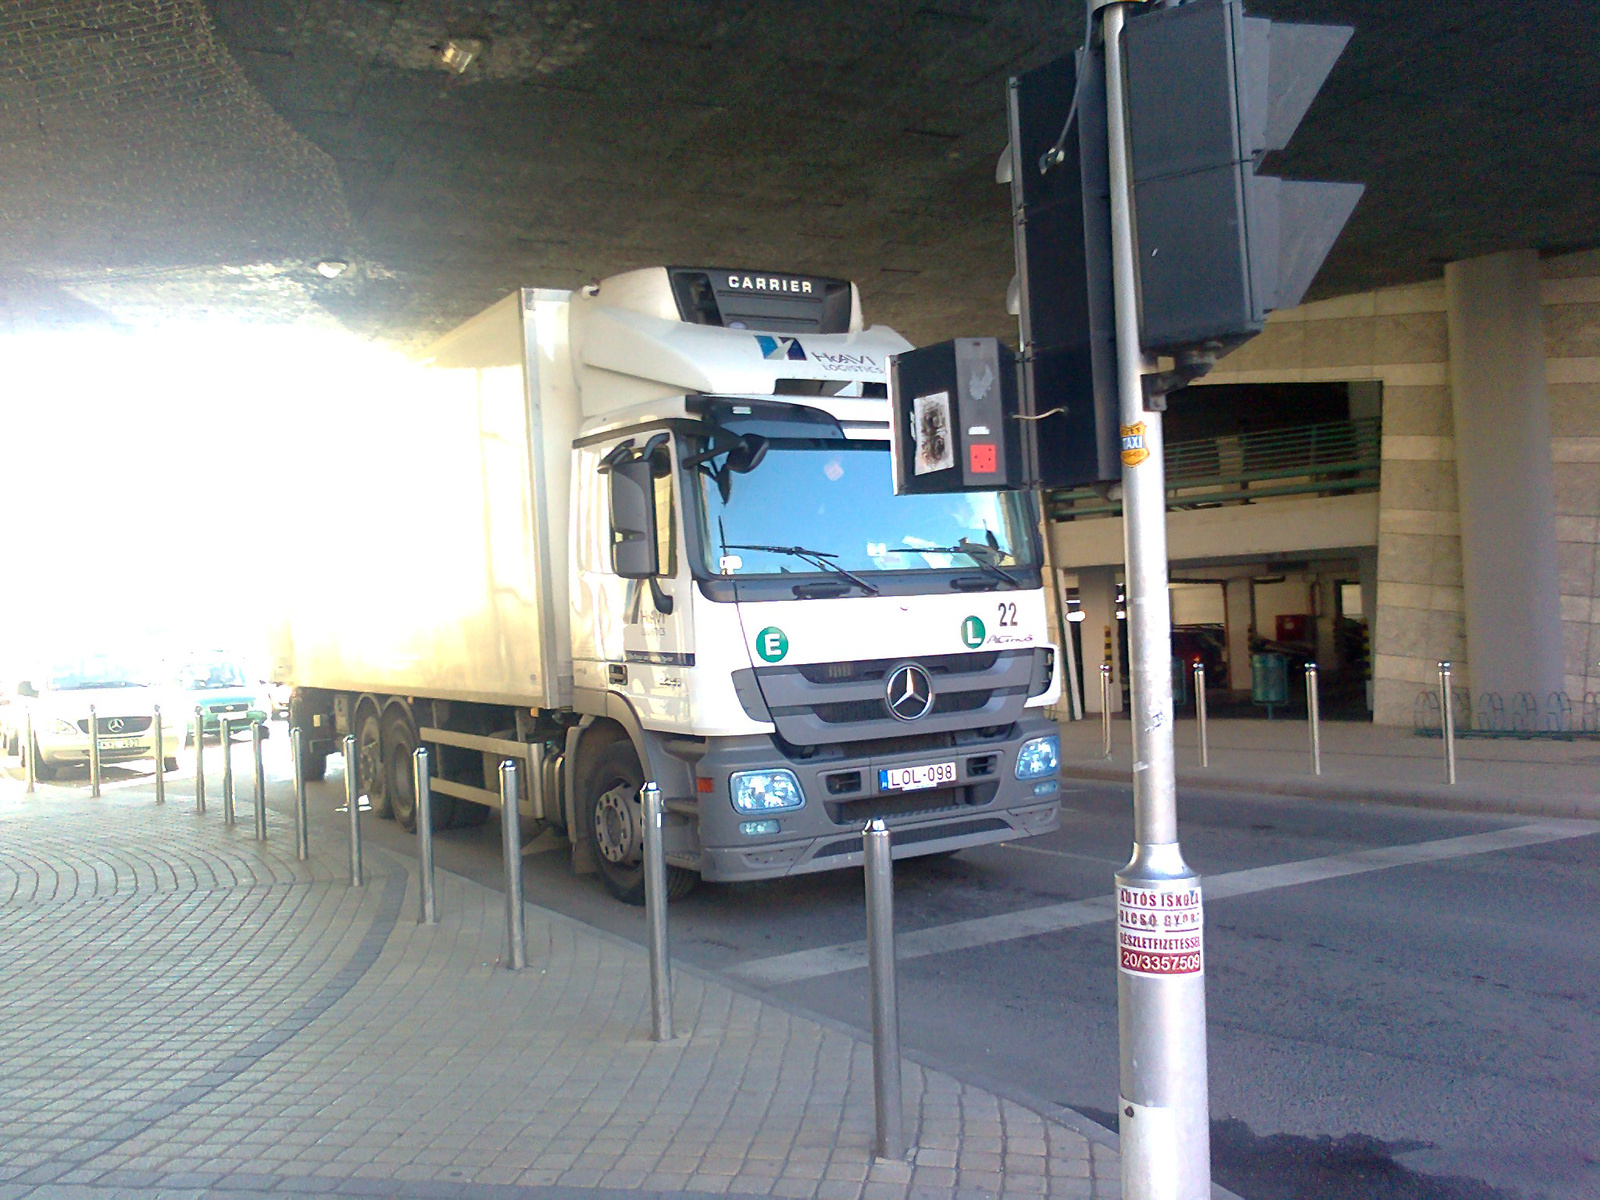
(114, 725)
(910, 692)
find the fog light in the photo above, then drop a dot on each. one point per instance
(765, 791)
(1048, 788)
(1039, 756)
(757, 828)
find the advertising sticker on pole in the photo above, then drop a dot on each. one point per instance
(1160, 931)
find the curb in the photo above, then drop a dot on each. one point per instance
(1309, 787)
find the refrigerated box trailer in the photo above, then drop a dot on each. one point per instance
(647, 530)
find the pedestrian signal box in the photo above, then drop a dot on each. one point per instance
(954, 425)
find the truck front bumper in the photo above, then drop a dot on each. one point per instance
(985, 803)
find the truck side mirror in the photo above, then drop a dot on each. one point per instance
(26, 688)
(633, 520)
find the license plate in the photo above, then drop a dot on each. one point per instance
(118, 743)
(909, 779)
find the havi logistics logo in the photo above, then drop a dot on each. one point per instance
(780, 347)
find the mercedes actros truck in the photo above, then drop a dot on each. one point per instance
(647, 530)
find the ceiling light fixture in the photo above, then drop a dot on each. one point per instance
(332, 268)
(457, 53)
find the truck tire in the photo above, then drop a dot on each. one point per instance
(369, 770)
(168, 764)
(612, 820)
(399, 744)
(314, 764)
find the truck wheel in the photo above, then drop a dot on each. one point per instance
(615, 826)
(314, 764)
(168, 764)
(369, 762)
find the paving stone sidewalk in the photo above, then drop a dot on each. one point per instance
(187, 1012)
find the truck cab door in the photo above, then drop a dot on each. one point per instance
(657, 632)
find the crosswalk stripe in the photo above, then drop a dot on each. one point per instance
(1053, 918)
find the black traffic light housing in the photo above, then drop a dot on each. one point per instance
(953, 418)
(1219, 246)
(1061, 219)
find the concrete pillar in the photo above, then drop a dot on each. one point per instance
(1097, 595)
(1326, 587)
(1501, 413)
(1368, 566)
(1240, 609)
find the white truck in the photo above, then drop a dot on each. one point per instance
(647, 531)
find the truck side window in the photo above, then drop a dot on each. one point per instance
(666, 526)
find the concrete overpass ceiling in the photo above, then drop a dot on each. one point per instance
(210, 153)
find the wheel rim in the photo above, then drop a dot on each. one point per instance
(616, 826)
(369, 777)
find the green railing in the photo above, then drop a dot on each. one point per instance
(1303, 460)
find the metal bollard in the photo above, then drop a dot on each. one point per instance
(1200, 713)
(199, 761)
(1447, 718)
(655, 915)
(94, 752)
(225, 729)
(30, 768)
(161, 759)
(878, 859)
(1314, 716)
(302, 835)
(260, 780)
(1105, 710)
(352, 800)
(511, 850)
(424, 793)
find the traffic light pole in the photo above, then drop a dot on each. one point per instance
(1163, 1107)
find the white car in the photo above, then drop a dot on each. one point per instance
(59, 698)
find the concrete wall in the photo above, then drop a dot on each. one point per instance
(1398, 338)
(1571, 295)
(1395, 337)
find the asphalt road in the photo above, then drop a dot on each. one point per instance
(1402, 1029)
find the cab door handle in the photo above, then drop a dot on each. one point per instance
(617, 673)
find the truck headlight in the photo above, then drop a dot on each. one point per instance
(65, 728)
(765, 791)
(1039, 756)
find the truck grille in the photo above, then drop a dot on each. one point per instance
(828, 703)
(927, 833)
(907, 804)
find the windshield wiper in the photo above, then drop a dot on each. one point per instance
(817, 558)
(980, 554)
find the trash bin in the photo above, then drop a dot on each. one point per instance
(1269, 681)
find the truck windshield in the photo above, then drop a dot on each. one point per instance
(836, 499)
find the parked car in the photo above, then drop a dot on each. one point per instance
(59, 697)
(220, 688)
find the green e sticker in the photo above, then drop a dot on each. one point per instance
(771, 644)
(973, 632)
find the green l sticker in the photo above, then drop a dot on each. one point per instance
(772, 644)
(973, 632)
